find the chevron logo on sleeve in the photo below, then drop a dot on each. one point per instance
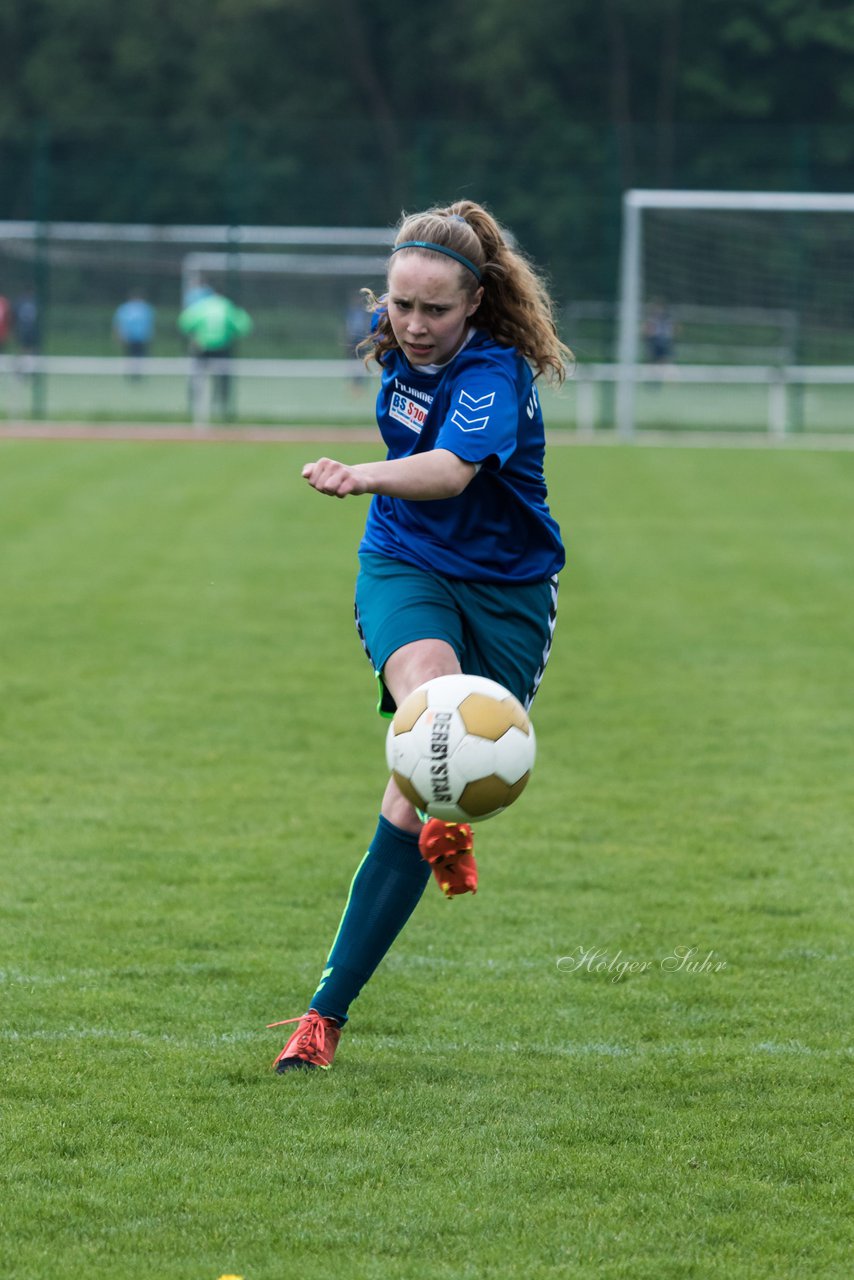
(477, 402)
(466, 423)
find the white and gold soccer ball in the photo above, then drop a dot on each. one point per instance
(461, 748)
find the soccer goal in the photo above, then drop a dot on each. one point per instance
(721, 290)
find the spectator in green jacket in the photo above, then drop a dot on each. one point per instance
(213, 324)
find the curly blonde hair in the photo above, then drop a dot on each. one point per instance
(516, 308)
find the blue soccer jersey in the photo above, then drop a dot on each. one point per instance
(482, 406)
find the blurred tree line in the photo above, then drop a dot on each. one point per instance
(342, 112)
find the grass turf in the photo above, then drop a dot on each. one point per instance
(191, 768)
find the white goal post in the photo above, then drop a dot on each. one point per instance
(747, 253)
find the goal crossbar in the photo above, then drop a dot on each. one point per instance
(770, 201)
(142, 233)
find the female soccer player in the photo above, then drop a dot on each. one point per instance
(460, 555)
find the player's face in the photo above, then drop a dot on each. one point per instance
(429, 307)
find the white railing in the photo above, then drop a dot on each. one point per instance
(190, 380)
(778, 381)
(176, 366)
(580, 406)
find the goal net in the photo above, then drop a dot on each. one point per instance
(729, 279)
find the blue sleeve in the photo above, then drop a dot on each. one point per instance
(482, 420)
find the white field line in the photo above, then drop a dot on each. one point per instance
(86, 977)
(181, 433)
(570, 1049)
(77, 977)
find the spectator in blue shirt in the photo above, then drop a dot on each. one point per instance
(133, 326)
(26, 322)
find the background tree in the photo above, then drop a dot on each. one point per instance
(275, 111)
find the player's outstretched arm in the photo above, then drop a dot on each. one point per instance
(421, 478)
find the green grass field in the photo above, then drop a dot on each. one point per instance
(191, 768)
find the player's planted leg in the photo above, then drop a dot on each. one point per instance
(386, 889)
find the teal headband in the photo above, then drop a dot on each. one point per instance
(440, 248)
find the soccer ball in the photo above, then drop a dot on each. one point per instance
(461, 748)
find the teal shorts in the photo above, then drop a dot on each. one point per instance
(502, 631)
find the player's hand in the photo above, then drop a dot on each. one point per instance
(334, 478)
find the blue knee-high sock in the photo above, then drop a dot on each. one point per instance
(385, 891)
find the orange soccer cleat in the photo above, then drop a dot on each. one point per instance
(447, 846)
(312, 1045)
